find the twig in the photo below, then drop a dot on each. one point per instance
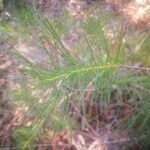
(125, 140)
(136, 67)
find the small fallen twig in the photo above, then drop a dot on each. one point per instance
(136, 67)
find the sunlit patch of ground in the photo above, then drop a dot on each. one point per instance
(138, 12)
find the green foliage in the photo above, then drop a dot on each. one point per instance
(1, 5)
(21, 136)
(46, 90)
(143, 54)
